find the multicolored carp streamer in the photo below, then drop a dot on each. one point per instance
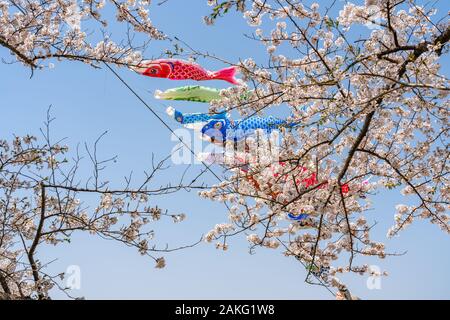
(221, 130)
(190, 119)
(189, 93)
(239, 160)
(195, 93)
(309, 181)
(183, 70)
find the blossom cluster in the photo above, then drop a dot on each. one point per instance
(43, 204)
(36, 31)
(373, 115)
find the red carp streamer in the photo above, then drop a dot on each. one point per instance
(183, 70)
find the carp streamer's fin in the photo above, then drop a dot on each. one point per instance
(171, 111)
(159, 94)
(193, 120)
(226, 74)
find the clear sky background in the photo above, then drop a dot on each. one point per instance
(87, 102)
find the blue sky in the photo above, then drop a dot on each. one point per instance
(87, 102)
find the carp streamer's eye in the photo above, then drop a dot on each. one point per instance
(153, 71)
(218, 125)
